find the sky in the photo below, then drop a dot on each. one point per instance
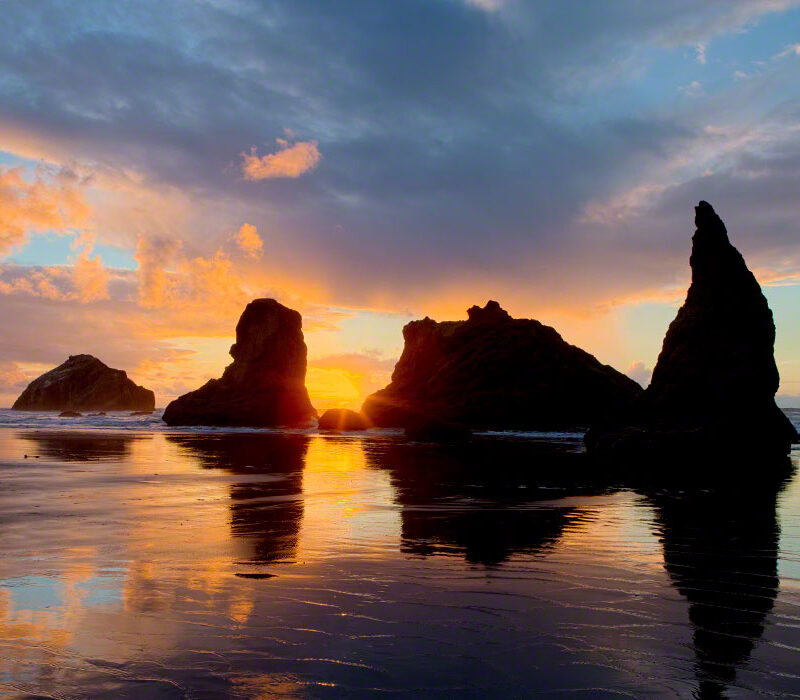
(368, 163)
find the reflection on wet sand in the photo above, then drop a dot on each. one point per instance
(267, 507)
(480, 503)
(486, 534)
(78, 447)
(160, 567)
(721, 552)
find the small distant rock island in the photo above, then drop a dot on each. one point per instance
(84, 383)
(342, 419)
(713, 388)
(264, 386)
(494, 371)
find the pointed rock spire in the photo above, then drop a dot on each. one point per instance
(716, 377)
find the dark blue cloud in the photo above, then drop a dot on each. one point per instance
(454, 139)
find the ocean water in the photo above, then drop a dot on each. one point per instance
(140, 562)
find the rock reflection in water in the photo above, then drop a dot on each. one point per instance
(721, 552)
(482, 501)
(79, 447)
(266, 506)
(503, 568)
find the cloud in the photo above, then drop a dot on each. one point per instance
(290, 160)
(791, 50)
(12, 378)
(497, 159)
(85, 280)
(90, 278)
(209, 285)
(153, 253)
(171, 348)
(199, 292)
(693, 89)
(695, 22)
(487, 5)
(50, 200)
(639, 373)
(45, 331)
(700, 51)
(47, 317)
(249, 241)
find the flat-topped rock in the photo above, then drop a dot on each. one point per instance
(494, 371)
(264, 385)
(84, 383)
(713, 388)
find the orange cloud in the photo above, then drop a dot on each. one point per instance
(290, 160)
(212, 285)
(12, 378)
(249, 241)
(152, 254)
(90, 278)
(46, 282)
(37, 205)
(200, 293)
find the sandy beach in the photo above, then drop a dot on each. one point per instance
(302, 565)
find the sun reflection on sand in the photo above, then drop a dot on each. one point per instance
(169, 547)
(267, 564)
(165, 548)
(348, 506)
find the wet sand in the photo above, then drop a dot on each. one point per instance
(150, 564)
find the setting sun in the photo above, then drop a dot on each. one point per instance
(415, 349)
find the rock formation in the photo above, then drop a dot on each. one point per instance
(494, 371)
(342, 419)
(83, 383)
(715, 381)
(264, 385)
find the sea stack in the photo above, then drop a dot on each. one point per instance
(264, 385)
(342, 419)
(84, 383)
(713, 388)
(494, 371)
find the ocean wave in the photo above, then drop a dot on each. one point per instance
(125, 421)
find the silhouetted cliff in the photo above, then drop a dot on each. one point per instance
(494, 371)
(716, 378)
(265, 383)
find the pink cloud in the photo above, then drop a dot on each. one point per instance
(40, 204)
(290, 160)
(249, 241)
(90, 278)
(153, 254)
(639, 373)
